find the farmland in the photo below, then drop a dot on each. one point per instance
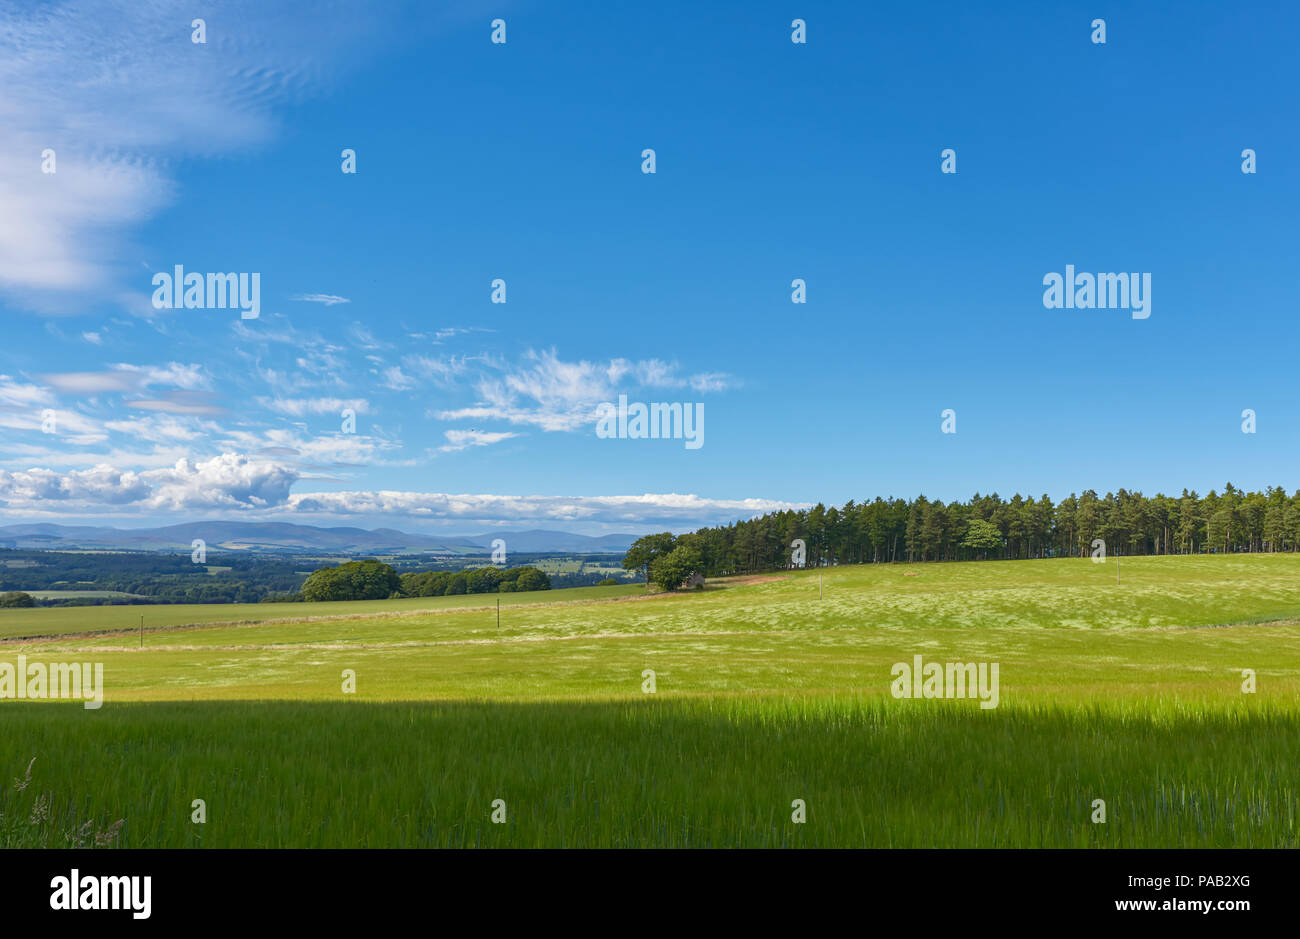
(766, 690)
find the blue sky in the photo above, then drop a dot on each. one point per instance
(522, 161)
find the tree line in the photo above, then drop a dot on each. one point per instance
(374, 580)
(983, 527)
(150, 577)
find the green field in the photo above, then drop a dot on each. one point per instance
(765, 693)
(577, 566)
(52, 621)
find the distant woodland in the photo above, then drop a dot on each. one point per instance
(981, 528)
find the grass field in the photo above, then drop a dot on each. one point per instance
(52, 621)
(765, 693)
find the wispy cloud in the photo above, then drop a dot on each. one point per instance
(325, 298)
(448, 332)
(362, 337)
(180, 402)
(126, 377)
(394, 379)
(548, 392)
(461, 439)
(440, 371)
(301, 407)
(713, 382)
(23, 394)
(83, 81)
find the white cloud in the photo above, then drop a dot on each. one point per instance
(461, 439)
(89, 383)
(440, 371)
(118, 91)
(68, 427)
(363, 338)
(326, 298)
(35, 455)
(127, 378)
(557, 384)
(160, 429)
(23, 395)
(102, 485)
(315, 452)
(180, 402)
(651, 373)
(649, 508)
(234, 483)
(300, 407)
(229, 481)
(555, 395)
(558, 395)
(450, 332)
(712, 381)
(395, 379)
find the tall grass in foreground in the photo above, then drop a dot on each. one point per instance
(709, 772)
(31, 817)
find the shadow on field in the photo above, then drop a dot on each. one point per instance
(649, 772)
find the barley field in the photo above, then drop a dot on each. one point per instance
(765, 690)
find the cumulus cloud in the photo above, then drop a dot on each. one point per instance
(102, 485)
(235, 483)
(229, 481)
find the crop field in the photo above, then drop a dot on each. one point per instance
(50, 621)
(609, 717)
(577, 566)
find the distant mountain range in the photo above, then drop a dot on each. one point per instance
(299, 539)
